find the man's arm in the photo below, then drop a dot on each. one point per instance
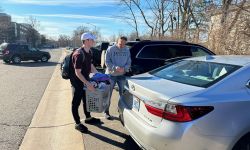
(93, 69)
(108, 61)
(82, 78)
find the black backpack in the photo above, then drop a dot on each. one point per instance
(67, 67)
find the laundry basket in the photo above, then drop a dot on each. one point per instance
(98, 101)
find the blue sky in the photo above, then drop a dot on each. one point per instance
(63, 16)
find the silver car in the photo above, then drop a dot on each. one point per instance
(200, 103)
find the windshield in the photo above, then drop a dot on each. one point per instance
(196, 73)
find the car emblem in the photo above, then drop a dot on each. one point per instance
(133, 87)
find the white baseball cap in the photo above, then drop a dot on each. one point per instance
(86, 36)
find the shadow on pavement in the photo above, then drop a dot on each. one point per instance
(112, 131)
(34, 64)
(128, 143)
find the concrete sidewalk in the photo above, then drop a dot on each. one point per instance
(52, 126)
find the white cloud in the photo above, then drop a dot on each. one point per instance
(83, 3)
(51, 31)
(19, 19)
(53, 28)
(73, 16)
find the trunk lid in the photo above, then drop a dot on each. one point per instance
(147, 89)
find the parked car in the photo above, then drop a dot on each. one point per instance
(148, 55)
(97, 52)
(195, 103)
(20, 52)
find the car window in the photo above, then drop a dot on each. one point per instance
(164, 51)
(179, 50)
(196, 73)
(155, 51)
(197, 51)
(33, 49)
(23, 48)
(12, 47)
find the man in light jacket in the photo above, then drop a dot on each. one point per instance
(118, 62)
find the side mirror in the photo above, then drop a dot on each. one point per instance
(248, 84)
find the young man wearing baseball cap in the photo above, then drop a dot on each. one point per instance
(82, 67)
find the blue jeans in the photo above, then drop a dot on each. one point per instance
(120, 80)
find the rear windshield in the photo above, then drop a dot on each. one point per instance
(3, 46)
(196, 73)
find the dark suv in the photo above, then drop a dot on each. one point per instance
(148, 55)
(20, 52)
(97, 52)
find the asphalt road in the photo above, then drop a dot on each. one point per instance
(21, 89)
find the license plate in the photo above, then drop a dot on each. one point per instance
(136, 103)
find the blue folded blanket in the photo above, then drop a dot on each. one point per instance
(100, 77)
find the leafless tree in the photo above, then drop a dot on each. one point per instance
(64, 40)
(113, 38)
(76, 41)
(193, 20)
(133, 19)
(32, 34)
(168, 16)
(230, 35)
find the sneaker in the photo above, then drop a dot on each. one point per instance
(108, 116)
(80, 127)
(92, 120)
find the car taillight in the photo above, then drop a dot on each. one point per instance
(179, 113)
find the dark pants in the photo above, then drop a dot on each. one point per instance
(78, 96)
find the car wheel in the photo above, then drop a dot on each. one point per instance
(16, 59)
(243, 143)
(44, 58)
(6, 61)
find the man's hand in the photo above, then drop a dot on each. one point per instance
(90, 86)
(120, 69)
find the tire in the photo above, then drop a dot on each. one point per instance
(16, 59)
(44, 58)
(243, 143)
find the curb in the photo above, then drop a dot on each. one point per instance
(52, 126)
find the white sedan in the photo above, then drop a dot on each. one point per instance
(198, 103)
